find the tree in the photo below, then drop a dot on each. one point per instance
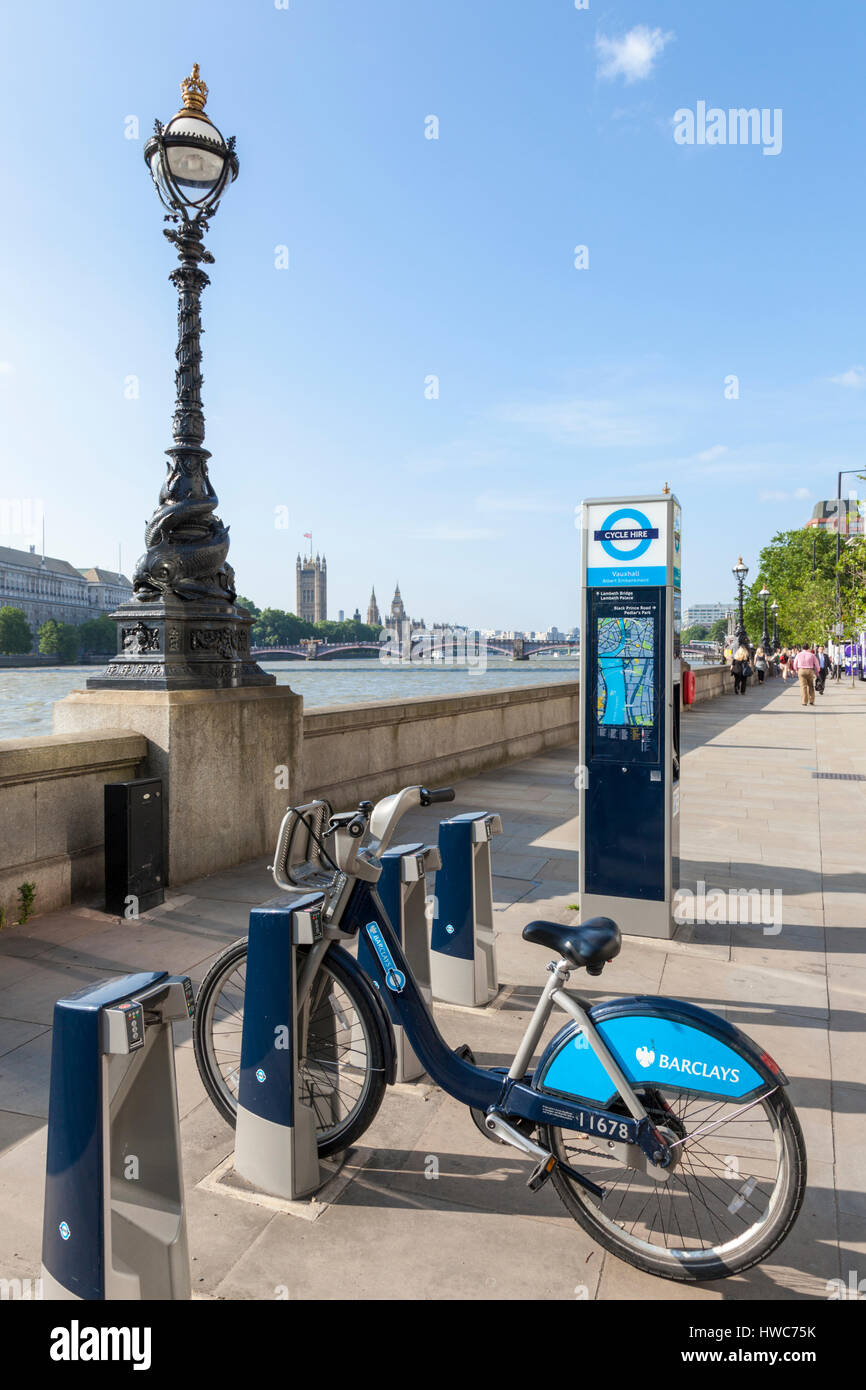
(248, 604)
(852, 568)
(58, 639)
(803, 587)
(274, 628)
(696, 633)
(98, 635)
(15, 635)
(719, 630)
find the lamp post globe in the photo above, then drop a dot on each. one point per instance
(182, 629)
(765, 636)
(740, 571)
(189, 161)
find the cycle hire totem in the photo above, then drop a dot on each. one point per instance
(667, 1133)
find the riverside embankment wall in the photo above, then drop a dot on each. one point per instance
(51, 788)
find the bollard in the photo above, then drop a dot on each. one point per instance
(402, 890)
(115, 1226)
(462, 949)
(275, 1138)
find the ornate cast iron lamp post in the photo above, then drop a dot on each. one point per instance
(182, 629)
(740, 571)
(765, 636)
(774, 609)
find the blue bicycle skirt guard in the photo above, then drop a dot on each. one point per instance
(662, 1042)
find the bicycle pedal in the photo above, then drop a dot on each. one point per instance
(465, 1051)
(541, 1173)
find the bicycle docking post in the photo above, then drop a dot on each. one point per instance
(114, 1223)
(462, 947)
(275, 1138)
(402, 889)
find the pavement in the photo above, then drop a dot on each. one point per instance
(425, 1207)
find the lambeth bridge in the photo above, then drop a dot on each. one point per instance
(417, 649)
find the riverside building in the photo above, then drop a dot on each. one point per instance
(44, 587)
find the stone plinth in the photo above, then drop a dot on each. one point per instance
(230, 761)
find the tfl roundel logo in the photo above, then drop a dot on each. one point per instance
(626, 534)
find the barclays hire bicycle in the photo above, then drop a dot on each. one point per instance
(666, 1132)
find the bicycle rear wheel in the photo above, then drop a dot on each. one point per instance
(342, 1068)
(732, 1195)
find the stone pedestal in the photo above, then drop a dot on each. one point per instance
(231, 761)
(181, 644)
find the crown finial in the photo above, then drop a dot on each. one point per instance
(194, 91)
(666, 489)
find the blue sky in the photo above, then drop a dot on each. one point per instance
(411, 257)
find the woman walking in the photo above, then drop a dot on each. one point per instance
(740, 670)
(784, 662)
(760, 664)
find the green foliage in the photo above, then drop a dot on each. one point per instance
(26, 895)
(248, 604)
(799, 569)
(274, 628)
(98, 635)
(347, 631)
(719, 630)
(58, 639)
(15, 635)
(852, 570)
(696, 633)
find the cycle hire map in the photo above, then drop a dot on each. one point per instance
(626, 672)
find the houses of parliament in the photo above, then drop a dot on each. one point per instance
(311, 588)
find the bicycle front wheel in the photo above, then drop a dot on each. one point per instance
(342, 1066)
(732, 1194)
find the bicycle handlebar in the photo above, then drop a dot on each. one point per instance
(433, 798)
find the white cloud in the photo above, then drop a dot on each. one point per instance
(595, 422)
(709, 455)
(854, 377)
(500, 502)
(632, 56)
(799, 494)
(458, 454)
(446, 531)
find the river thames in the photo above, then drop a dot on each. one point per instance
(27, 694)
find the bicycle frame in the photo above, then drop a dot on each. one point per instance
(509, 1094)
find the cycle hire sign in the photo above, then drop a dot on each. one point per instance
(627, 545)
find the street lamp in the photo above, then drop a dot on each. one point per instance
(765, 636)
(182, 629)
(740, 571)
(844, 474)
(774, 609)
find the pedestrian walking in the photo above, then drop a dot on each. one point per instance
(823, 670)
(784, 662)
(806, 666)
(837, 661)
(761, 665)
(740, 670)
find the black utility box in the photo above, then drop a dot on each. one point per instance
(133, 846)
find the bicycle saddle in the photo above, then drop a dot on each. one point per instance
(588, 943)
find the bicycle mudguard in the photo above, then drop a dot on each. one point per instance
(363, 982)
(657, 1041)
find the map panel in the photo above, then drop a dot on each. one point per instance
(625, 691)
